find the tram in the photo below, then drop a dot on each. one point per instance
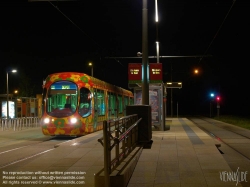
(76, 104)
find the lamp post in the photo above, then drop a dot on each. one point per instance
(7, 82)
(91, 64)
(157, 39)
(145, 68)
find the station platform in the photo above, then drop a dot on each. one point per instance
(183, 156)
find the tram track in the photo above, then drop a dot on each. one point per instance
(12, 145)
(226, 139)
(10, 156)
(25, 158)
(226, 127)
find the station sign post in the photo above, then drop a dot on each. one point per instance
(173, 85)
(156, 91)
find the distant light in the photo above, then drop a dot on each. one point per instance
(212, 95)
(196, 71)
(174, 84)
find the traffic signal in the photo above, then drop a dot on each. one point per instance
(218, 98)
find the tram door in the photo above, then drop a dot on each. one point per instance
(126, 101)
(112, 105)
(95, 108)
(109, 106)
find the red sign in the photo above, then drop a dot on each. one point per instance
(134, 72)
(155, 72)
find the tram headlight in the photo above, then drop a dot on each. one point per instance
(73, 120)
(46, 120)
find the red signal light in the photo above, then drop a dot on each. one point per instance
(217, 98)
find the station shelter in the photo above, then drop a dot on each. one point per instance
(157, 91)
(21, 106)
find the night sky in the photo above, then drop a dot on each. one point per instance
(40, 38)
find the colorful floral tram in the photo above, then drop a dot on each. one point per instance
(75, 104)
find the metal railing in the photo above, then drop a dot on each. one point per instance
(125, 132)
(19, 123)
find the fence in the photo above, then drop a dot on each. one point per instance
(125, 132)
(19, 123)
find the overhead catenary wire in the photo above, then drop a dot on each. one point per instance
(218, 30)
(80, 29)
(75, 24)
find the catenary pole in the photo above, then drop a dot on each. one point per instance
(145, 73)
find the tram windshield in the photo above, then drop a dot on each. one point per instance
(62, 99)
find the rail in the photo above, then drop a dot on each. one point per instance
(125, 132)
(19, 123)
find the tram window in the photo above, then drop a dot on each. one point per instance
(120, 109)
(125, 101)
(131, 101)
(71, 101)
(101, 102)
(109, 103)
(85, 102)
(111, 99)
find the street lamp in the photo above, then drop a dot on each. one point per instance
(157, 40)
(7, 72)
(91, 64)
